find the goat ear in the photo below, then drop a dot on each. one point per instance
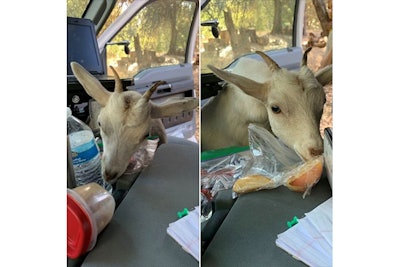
(173, 106)
(91, 85)
(324, 75)
(250, 87)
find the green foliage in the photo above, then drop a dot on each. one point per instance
(312, 22)
(158, 24)
(257, 14)
(76, 8)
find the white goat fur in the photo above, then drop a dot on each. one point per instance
(127, 118)
(298, 95)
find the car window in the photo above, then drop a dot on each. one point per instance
(157, 35)
(119, 8)
(244, 27)
(75, 8)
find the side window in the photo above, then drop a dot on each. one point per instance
(243, 27)
(157, 35)
(76, 8)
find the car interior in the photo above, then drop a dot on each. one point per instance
(234, 230)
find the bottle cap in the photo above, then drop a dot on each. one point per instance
(81, 236)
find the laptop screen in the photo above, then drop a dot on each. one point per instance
(82, 46)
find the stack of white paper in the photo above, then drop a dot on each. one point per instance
(186, 232)
(310, 240)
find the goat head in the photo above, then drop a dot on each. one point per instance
(127, 118)
(287, 103)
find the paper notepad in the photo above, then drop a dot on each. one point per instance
(186, 232)
(310, 240)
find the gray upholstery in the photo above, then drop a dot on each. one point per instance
(137, 234)
(247, 235)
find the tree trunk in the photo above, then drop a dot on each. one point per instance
(138, 51)
(172, 12)
(277, 26)
(323, 16)
(231, 29)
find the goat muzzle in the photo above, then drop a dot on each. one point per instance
(110, 176)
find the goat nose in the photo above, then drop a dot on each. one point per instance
(316, 151)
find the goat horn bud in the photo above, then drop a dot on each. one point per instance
(149, 92)
(304, 61)
(118, 83)
(272, 64)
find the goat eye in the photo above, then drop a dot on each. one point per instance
(275, 109)
(98, 122)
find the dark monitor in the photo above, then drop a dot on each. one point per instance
(82, 46)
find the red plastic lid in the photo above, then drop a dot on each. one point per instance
(79, 229)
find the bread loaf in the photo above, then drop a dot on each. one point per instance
(252, 183)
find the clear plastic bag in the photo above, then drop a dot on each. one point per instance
(274, 164)
(271, 157)
(222, 172)
(143, 156)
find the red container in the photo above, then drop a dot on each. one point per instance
(90, 208)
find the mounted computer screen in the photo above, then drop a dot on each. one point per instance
(82, 46)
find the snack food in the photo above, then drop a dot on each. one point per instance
(252, 183)
(306, 175)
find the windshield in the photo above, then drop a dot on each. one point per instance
(244, 27)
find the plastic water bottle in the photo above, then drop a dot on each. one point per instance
(86, 159)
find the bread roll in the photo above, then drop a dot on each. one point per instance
(252, 183)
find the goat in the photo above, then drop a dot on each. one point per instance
(288, 104)
(127, 118)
